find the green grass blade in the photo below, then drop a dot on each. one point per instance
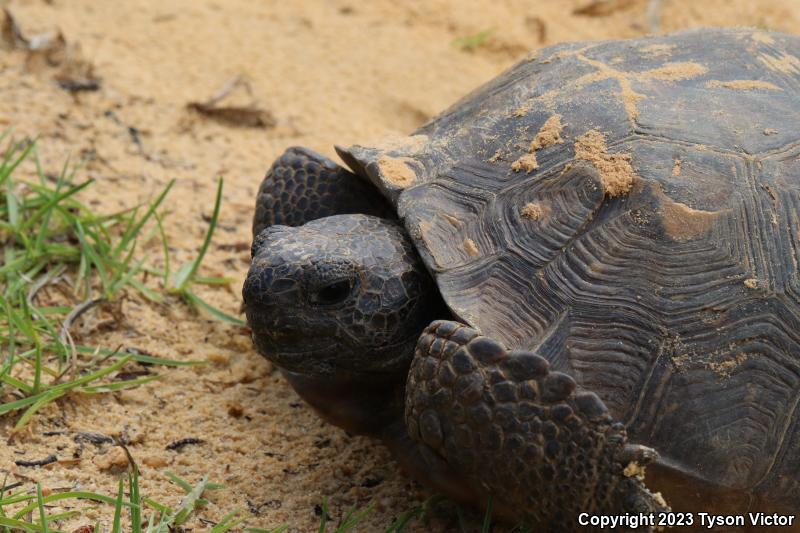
(15, 525)
(79, 495)
(16, 383)
(228, 522)
(6, 170)
(117, 527)
(12, 206)
(134, 230)
(181, 283)
(162, 509)
(487, 518)
(117, 385)
(135, 499)
(56, 198)
(182, 275)
(213, 280)
(92, 255)
(196, 300)
(43, 399)
(416, 513)
(40, 504)
(353, 518)
(88, 378)
(185, 485)
(323, 520)
(472, 42)
(165, 249)
(189, 502)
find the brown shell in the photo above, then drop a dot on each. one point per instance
(631, 211)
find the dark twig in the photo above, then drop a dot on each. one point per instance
(76, 313)
(6, 488)
(43, 281)
(178, 445)
(41, 462)
(95, 438)
(65, 336)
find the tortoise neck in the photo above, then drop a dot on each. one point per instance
(363, 405)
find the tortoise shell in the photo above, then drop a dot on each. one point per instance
(630, 210)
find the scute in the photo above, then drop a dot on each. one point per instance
(677, 301)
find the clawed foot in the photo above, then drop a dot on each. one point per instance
(302, 185)
(544, 450)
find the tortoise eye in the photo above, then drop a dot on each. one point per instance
(333, 293)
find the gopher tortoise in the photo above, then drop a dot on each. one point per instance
(587, 265)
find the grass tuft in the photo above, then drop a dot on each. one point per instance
(59, 260)
(186, 275)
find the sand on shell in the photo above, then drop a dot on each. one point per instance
(328, 72)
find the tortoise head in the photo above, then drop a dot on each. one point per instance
(338, 304)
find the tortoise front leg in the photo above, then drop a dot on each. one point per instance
(520, 433)
(302, 185)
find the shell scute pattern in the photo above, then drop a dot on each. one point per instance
(677, 302)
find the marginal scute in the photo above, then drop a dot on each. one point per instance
(396, 172)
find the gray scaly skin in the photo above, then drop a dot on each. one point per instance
(302, 186)
(342, 304)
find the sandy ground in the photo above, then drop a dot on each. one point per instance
(324, 72)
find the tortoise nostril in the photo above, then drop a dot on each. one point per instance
(264, 287)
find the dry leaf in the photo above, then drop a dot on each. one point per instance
(50, 50)
(603, 8)
(248, 116)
